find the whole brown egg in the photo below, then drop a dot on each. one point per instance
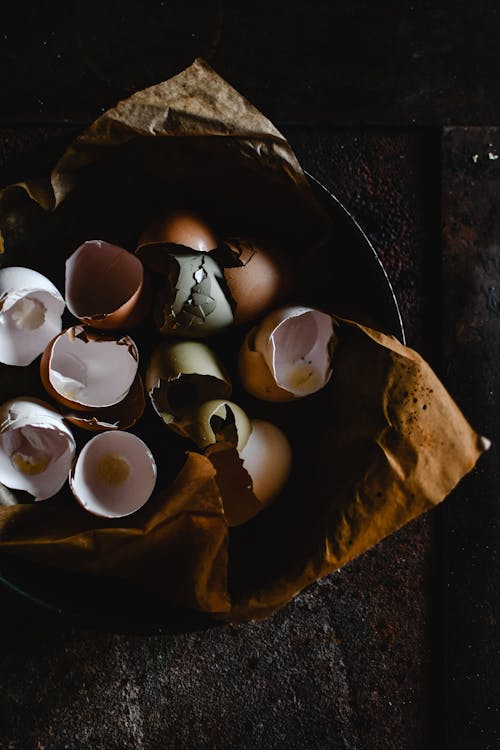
(180, 227)
(258, 276)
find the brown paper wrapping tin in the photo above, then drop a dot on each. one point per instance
(382, 443)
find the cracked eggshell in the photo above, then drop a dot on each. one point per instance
(257, 275)
(267, 457)
(106, 286)
(251, 479)
(288, 355)
(84, 369)
(30, 314)
(182, 375)
(218, 421)
(114, 475)
(194, 303)
(180, 227)
(36, 447)
(120, 416)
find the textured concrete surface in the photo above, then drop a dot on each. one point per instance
(346, 665)
(471, 551)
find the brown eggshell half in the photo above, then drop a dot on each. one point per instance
(121, 416)
(131, 314)
(180, 227)
(260, 282)
(45, 367)
(255, 375)
(106, 286)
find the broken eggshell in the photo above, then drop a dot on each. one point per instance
(257, 275)
(106, 286)
(84, 369)
(251, 478)
(30, 314)
(114, 475)
(36, 447)
(178, 227)
(194, 302)
(288, 355)
(181, 376)
(120, 416)
(217, 421)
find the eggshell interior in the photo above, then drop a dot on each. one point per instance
(111, 498)
(218, 420)
(296, 344)
(30, 314)
(92, 371)
(100, 278)
(121, 416)
(34, 437)
(182, 375)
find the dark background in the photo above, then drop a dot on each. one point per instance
(394, 106)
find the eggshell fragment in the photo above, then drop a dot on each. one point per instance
(180, 227)
(251, 478)
(82, 368)
(106, 286)
(36, 447)
(216, 421)
(114, 475)
(120, 416)
(180, 377)
(288, 355)
(194, 303)
(257, 275)
(235, 484)
(30, 314)
(267, 456)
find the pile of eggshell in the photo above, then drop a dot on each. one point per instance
(196, 287)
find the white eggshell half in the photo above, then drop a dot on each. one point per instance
(92, 371)
(31, 434)
(107, 497)
(30, 314)
(267, 457)
(296, 344)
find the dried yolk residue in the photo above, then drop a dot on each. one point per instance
(113, 469)
(30, 465)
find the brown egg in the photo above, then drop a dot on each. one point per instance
(258, 276)
(181, 227)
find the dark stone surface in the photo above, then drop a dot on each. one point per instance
(471, 553)
(348, 664)
(340, 63)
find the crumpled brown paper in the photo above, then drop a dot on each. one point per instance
(382, 443)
